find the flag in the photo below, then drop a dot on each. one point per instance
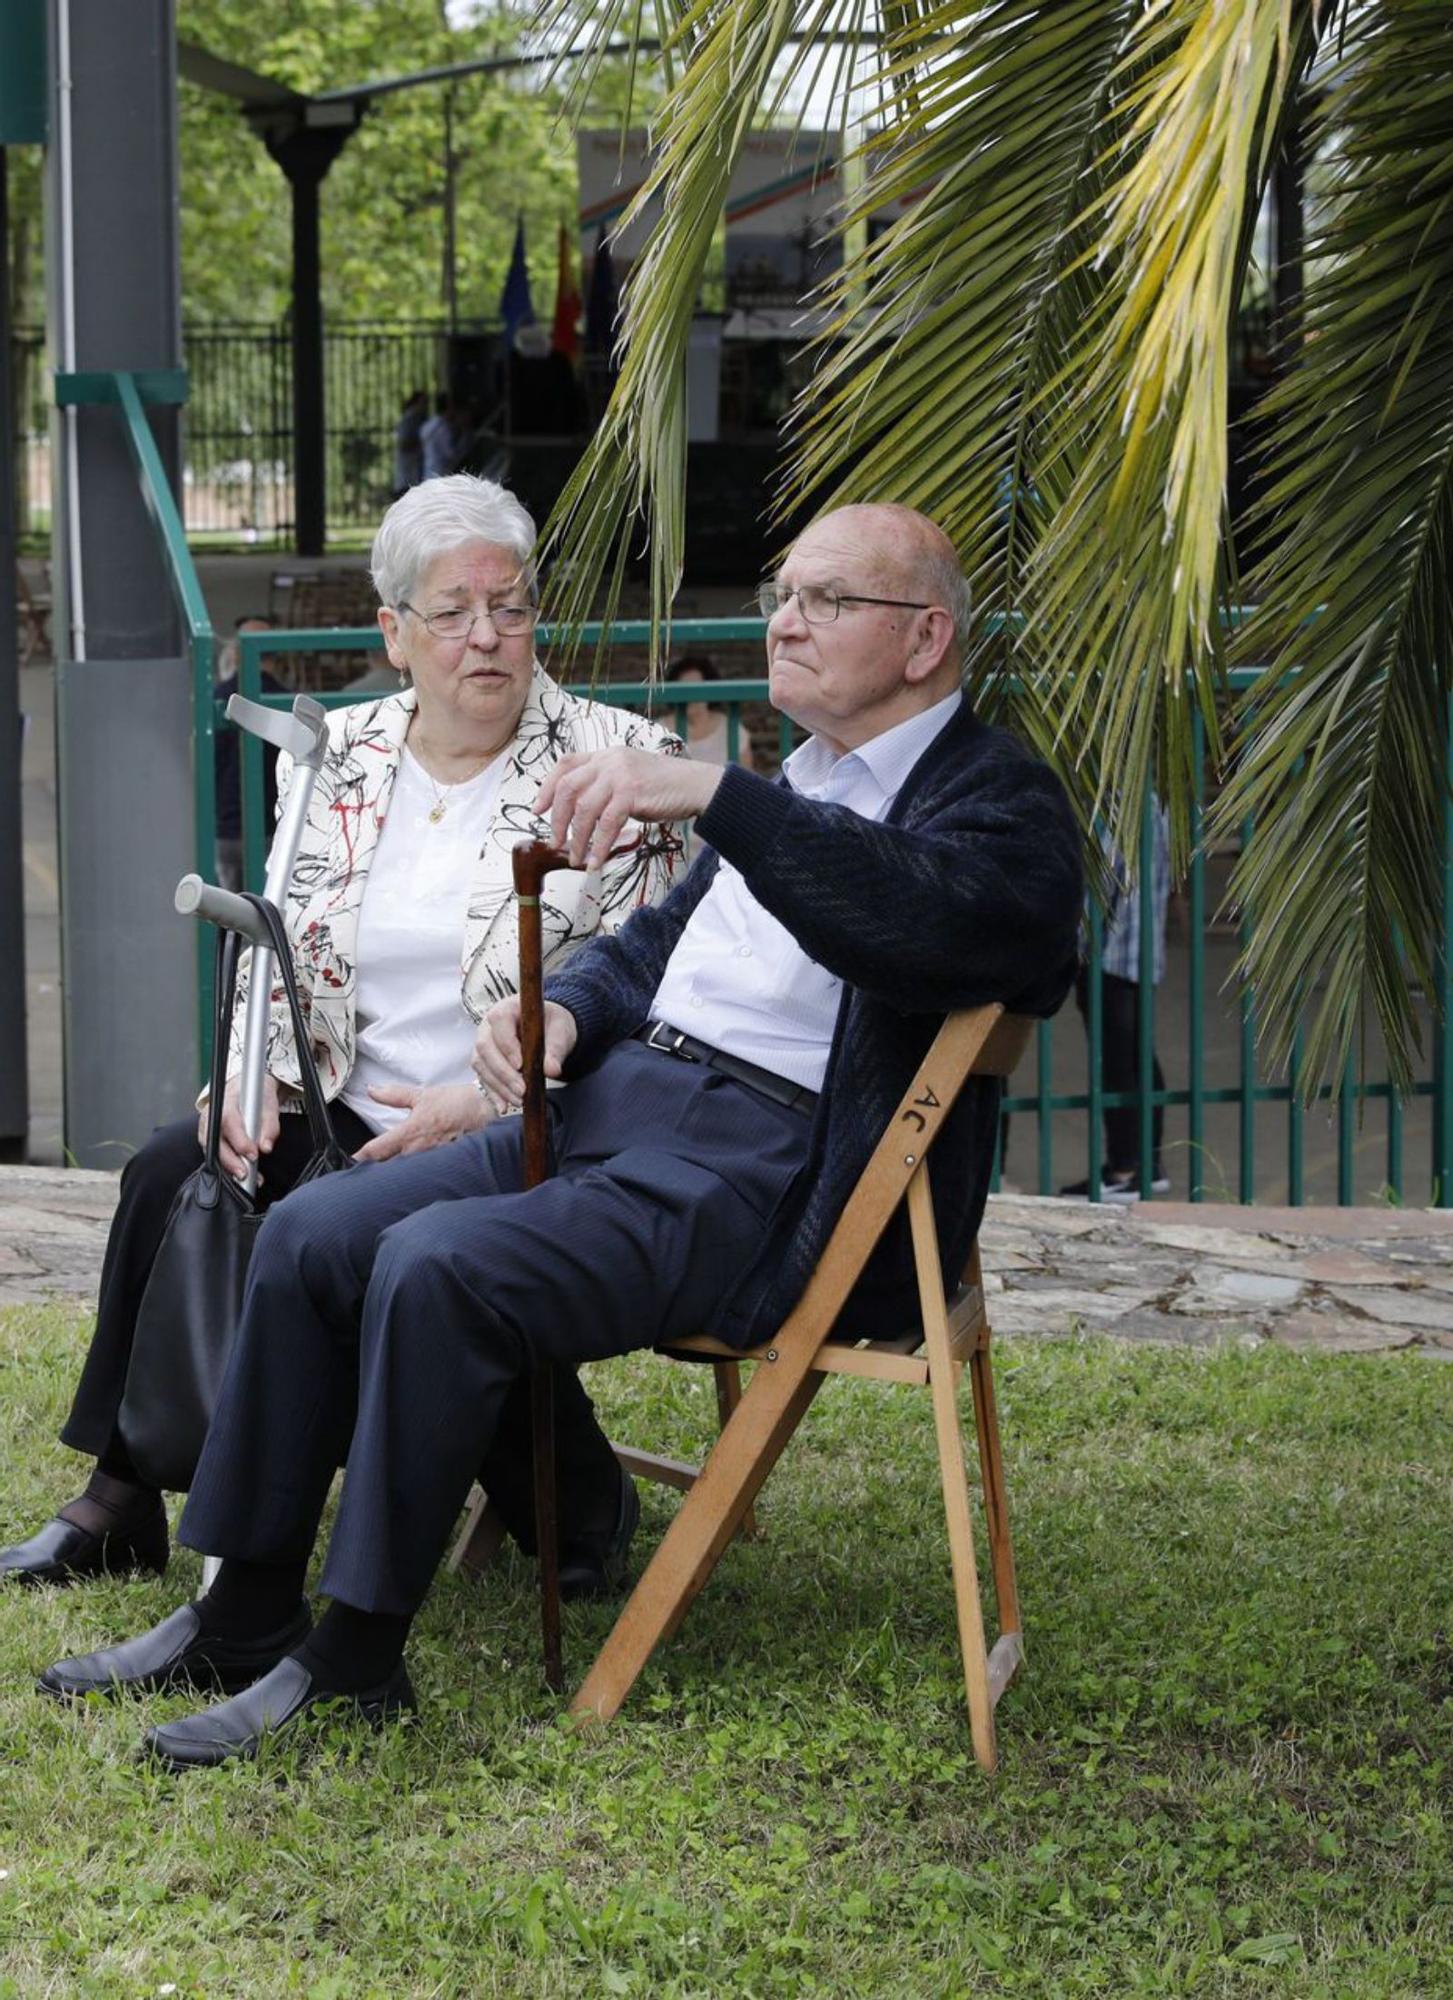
(515, 307)
(565, 337)
(600, 310)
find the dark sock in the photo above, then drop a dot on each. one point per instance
(116, 1460)
(111, 1503)
(249, 1600)
(350, 1651)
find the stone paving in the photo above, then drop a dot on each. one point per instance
(1344, 1280)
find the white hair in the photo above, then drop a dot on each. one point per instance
(950, 588)
(443, 514)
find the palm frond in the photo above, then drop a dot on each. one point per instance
(947, 328)
(737, 65)
(1126, 583)
(1342, 739)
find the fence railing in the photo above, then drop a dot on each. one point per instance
(1066, 1121)
(237, 441)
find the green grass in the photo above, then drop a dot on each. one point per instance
(1225, 1769)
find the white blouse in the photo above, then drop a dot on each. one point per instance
(412, 1027)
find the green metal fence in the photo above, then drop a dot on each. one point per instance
(1253, 1096)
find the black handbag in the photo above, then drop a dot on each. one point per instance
(193, 1299)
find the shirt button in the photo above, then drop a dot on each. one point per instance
(744, 951)
(695, 1001)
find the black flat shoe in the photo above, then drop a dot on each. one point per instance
(236, 1728)
(63, 1553)
(176, 1653)
(588, 1572)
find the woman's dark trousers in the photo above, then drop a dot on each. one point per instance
(589, 1478)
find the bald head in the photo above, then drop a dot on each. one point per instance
(914, 555)
(881, 635)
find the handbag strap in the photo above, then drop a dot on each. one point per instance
(327, 1153)
(224, 977)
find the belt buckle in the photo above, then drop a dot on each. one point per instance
(668, 1048)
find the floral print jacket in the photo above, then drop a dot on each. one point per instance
(347, 810)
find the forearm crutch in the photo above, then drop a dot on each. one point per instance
(304, 735)
(533, 860)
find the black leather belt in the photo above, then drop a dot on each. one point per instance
(669, 1041)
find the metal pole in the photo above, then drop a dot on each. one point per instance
(14, 1094)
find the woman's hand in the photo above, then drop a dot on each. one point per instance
(235, 1150)
(498, 1059)
(438, 1112)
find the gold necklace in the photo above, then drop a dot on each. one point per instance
(442, 792)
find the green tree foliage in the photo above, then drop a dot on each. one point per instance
(383, 209)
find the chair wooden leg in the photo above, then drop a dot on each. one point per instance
(943, 1380)
(769, 1412)
(728, 1376)
(480, 1539)
(996, 1496)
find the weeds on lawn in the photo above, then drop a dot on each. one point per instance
(1225, 1769)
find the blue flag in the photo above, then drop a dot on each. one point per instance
(515, 306)
(603, 303)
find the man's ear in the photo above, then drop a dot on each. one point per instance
(931, 643)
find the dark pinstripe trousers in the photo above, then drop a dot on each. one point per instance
(389, 1310)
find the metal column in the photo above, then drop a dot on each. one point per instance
(124, 720)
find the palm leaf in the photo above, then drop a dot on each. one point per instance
(1127, 582)
(1343, 737)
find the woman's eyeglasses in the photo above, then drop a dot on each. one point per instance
(458, 622)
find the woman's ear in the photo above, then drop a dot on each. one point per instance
(388, 624)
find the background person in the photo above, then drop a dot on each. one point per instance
(404, 932)
(1120, 1019)
(702, 726)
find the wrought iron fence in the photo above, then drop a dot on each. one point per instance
(237, 428)
(1235, 1131)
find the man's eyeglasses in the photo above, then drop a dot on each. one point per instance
(458, 622)
(819, 605)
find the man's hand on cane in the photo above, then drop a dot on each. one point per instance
(498, 1060)
(590, 795)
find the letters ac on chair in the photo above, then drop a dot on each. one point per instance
(953, 1332)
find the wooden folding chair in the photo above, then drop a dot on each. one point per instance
(758, 1421)
(791, 1367)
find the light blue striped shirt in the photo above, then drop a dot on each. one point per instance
(737, 978)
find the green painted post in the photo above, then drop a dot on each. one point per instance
(1197, 1051)
(1346, 1136)
(1443, 1102)
(1247, 1175)
(1295, 1125)
(1044, 1109)
(1095, 1048)
(255, 830)
(1394, 1142)
(1145, 1011)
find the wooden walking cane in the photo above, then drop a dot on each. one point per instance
(533, 860)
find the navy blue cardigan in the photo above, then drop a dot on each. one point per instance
(968, 892)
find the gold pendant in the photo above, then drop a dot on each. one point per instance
(436, 813)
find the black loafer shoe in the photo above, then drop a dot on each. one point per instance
(236, 1728)
(589, 1572)
(176, 1653)
(63, 1553)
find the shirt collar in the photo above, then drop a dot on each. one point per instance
(887, 757)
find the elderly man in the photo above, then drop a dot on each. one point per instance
(730, 1059)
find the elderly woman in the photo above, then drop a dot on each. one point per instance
(403, 928)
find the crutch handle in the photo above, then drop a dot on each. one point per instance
(196, 898)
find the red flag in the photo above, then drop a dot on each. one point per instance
(565, 336)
